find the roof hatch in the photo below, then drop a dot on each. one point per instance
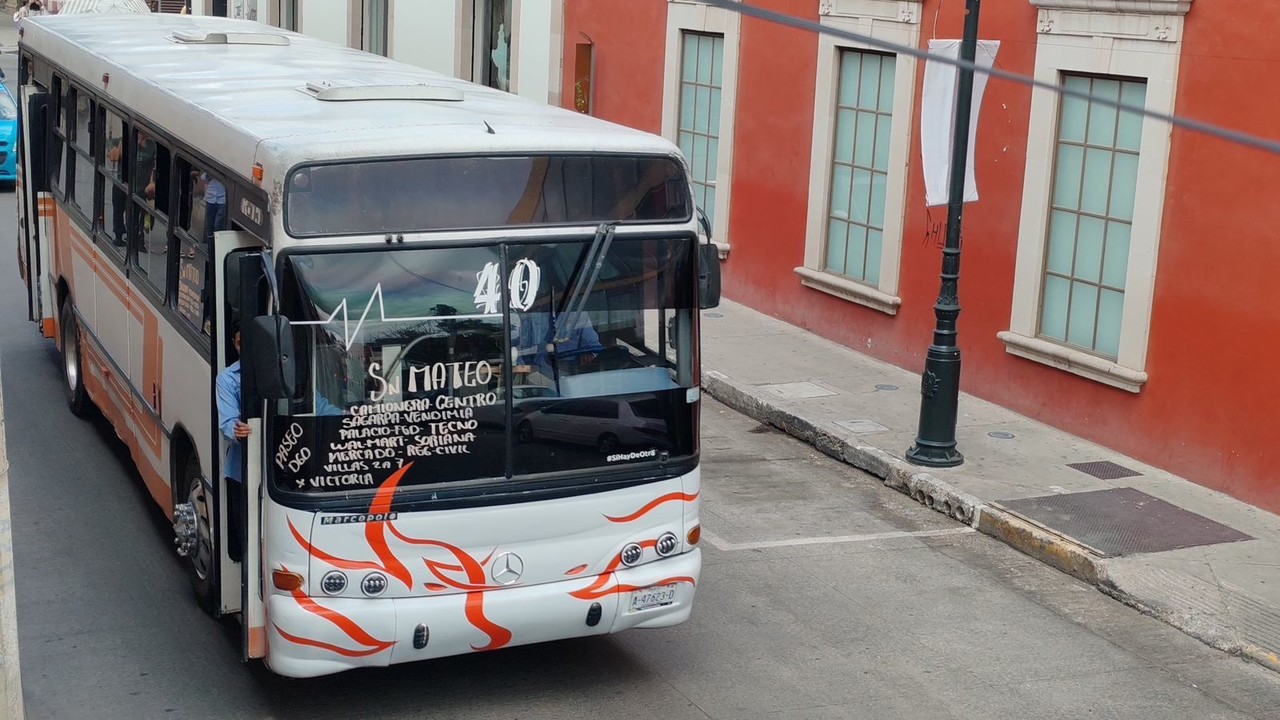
(228, 38)
(347, 90)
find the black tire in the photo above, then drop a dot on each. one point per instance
(524, 432)
(607, 443)
(72, 362)
(201, 564)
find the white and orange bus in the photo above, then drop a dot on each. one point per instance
(469, 331)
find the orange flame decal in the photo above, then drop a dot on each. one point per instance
(595, 591)
(577, 571)
(326, 646)
(372, 645)
(475, 586)
(375, 533)
(648, 508)
(342, 622)
(498, 635)
(332, 559)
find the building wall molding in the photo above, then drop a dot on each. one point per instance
(902, 11)
(1156, 20)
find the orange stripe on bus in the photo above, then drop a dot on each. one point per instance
(257, 641)
(115, 402)
(49, 327)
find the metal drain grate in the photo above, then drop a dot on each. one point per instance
(1122, 521)
(1104, 470)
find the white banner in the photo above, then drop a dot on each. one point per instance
(937, 118)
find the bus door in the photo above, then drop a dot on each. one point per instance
(228, 248)
(35, 206)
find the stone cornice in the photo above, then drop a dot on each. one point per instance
(1145, 7)
(902, 11)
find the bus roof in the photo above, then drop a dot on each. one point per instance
(242, 101)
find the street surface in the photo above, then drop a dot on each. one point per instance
(824, 595)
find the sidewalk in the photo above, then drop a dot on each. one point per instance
(1194, 558)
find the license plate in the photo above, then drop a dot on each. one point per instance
(652, 597)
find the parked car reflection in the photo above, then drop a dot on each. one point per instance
(607, 423)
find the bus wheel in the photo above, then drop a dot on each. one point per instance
(193, 526)
(72, 365)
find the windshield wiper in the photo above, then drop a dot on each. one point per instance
(588, 271)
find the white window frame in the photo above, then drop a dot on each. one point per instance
(685, 16)
(896, 21)
(1098, 37)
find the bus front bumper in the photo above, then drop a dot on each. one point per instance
(317, 636)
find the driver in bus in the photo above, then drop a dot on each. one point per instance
(539, 347)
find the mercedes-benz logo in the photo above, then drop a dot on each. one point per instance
(507, 568)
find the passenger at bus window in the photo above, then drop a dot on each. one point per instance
(144, 166)
(119, 198)
(215, 207)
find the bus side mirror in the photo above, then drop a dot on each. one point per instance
(269, 342)
(708, 266)
(708, 276)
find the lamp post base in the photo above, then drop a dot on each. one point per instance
(934, 455)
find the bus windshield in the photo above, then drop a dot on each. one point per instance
(477, 364)
(457, 193)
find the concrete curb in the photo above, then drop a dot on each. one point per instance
(892, 471)
(1167, 599)
(10, 674)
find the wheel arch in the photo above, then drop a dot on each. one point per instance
(182, 450)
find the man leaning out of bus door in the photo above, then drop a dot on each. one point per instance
(236, 431)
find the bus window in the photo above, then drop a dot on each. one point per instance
(194, 271)
(58, 138)
(81, 185)
(114, 172)
(150, 226)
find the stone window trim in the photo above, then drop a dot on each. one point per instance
(688, 16)
(1155, 20)
(1110, 50)
(895, 21)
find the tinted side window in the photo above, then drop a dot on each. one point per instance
(196, 215)
(112, 173)
(82, 175)
(150, 210)
(58, 136)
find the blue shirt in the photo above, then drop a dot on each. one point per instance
(537, 330)
(228, 391)
(215, 193)
(228, 396)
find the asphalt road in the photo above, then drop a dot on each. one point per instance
(824, 595)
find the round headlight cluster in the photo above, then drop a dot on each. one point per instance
(667, 544)
(375, 583)
(333, 582)
(631, 554)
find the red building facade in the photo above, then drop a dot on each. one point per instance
(1116, 271)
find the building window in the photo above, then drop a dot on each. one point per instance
(495, 27)
(860, 165)
(701, 82)
(1094, 192)
(1091, 215)
(375, 19)
(699, 99)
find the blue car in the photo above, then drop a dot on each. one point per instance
(8, 137)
